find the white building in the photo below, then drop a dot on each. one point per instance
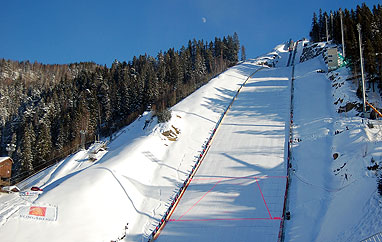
(333, 62)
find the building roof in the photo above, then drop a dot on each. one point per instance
(5, 158)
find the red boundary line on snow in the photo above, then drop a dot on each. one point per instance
(222, 219)
(227, 219)
(199, 199)
(266, 205)
(227, 178)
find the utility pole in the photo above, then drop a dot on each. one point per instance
(326, 25)
(331, 25)
(342, 34)
(363, 79)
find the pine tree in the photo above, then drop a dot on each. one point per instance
(336, 28)
(105, 102)
(60, 139)
(243, 55)
(200, 68)
(236, 47)
(25, 153)
(370, 62)
(351, 37)
(209, 58)
(315, 32)
(186, 58)
(236, 42)
(321, 25)
(43, 147)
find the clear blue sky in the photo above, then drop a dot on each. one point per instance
(66, 31)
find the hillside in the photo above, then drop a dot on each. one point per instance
(127, 190)
(130, 183)
(49, 111)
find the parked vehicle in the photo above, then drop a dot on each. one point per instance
(36, 189)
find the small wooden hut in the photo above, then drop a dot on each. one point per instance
(5, 170)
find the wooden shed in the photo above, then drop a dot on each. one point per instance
(5, 170)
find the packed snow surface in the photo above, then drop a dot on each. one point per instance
(238, 191)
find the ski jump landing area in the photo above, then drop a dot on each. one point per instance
(238, 191)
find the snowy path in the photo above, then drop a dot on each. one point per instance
(311, 152)
(238, 191)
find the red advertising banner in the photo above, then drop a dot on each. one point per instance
(37, 211)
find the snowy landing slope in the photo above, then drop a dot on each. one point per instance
(132, 182)
(238, 191)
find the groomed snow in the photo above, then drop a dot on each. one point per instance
(238, 191)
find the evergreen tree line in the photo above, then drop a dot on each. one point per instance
(371, 32)
(44, 107)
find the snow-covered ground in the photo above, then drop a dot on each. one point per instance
(238, 191)
(128, 189)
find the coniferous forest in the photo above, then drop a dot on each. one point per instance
(371, 33)
(44, 107)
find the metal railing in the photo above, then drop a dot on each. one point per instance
(374, 238)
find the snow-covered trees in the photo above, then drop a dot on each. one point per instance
(44, 107)
(315, 32)
(25, 151)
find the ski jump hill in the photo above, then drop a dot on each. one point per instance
(238, 190)
(219, 170)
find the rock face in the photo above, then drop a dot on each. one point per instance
(309, 52)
